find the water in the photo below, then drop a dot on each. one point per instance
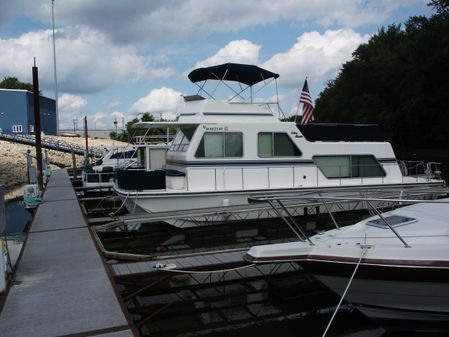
(17, 217)
(288, 304)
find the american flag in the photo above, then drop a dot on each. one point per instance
(307, 108)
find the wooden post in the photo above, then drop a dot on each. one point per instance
(2, 249)
(29, 164)
(2, 211)
(74, 173)
(86, 136)
(37, 126)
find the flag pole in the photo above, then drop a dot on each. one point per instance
(299, 103)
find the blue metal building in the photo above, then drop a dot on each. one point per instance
(17, 112)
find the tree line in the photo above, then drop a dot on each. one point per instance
(397, 79)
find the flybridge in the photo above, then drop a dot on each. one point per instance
(239, 79)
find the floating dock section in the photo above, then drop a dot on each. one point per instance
(61, 286)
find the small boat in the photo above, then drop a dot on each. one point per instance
(101, 173)
(395, 264)
(228, 151)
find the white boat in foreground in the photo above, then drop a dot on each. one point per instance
(402, 280)
(226, 151)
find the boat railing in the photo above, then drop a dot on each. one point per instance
(277, 203)
(420, 169)
(98, 177)
(153, 139)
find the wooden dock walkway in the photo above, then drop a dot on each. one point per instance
(61, 285)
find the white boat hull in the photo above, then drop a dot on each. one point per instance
(163, 201)
(397, 303)
(408, 296)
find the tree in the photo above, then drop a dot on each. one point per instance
(441, 6)
(398, 79)
(14, 83)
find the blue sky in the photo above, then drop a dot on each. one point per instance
(118, 58)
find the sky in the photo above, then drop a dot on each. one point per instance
(117, 59)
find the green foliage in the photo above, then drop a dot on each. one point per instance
(14, 83)
(398, 79)
(441, 6)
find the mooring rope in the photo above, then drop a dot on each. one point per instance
(365, 248)
(123, 203)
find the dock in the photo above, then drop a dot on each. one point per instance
(78, 275)
(62, 286)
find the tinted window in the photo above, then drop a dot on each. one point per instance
(219, 145)
(276, 144)
(182, 140)
(355, 166)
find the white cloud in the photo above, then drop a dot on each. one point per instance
(238, 51)
(105, 120)
(149, 21)
(71, 107)
(316, 55)
(113, 105)
(163, 102)
(86, 60)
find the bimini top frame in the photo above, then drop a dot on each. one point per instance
(244, 74)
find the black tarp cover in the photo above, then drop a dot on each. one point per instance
(342, 132)
(243, 73)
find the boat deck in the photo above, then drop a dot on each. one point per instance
(61, 285)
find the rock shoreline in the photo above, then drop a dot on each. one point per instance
(13, 170)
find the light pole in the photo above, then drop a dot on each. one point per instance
(54, 65)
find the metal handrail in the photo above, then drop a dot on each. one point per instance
(51, 144)
(272, 199)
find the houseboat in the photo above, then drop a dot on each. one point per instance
(227, 151)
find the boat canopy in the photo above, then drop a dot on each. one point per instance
(334, 132)
(243, 73)
(168, 124)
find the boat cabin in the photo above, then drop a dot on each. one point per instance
(240, 145)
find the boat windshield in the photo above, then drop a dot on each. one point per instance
(182, 139)
(393, 221)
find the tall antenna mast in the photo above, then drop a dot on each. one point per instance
(54, 65)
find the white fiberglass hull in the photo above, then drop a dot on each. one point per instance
(400, 279)
(400, 296)
(171, 200)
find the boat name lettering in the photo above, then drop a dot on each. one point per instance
(215, 128)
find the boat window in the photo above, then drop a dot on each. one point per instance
(349, 166)
(220, 145)
(182, 140)
(233, 144)
(392, 220)
(124, 154)
(276, 144)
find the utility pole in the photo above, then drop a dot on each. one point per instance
(37, 126)
(54, 65)
(86, 136)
